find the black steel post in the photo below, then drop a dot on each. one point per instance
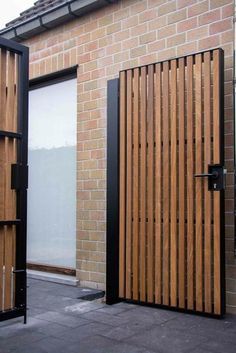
(112, 239)
(22, 160)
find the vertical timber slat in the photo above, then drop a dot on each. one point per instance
(207, 194)
(158, 203)
(190, 161)
(150, 175)
(143, 107)
(198, 183)
(129, 164)
(166, 185)
(181, 263)
(135, 182)
(216, 195)
(173, 187)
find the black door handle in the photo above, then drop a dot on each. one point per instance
(214, 175)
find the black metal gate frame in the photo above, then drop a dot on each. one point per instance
(19, 180)
(112, 205)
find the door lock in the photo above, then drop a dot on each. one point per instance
(216, 177)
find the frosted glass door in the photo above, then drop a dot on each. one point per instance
(52, 175)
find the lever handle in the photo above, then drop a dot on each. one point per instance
(214, 175)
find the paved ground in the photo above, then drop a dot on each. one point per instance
(60, 323)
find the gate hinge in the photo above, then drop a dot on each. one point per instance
(19, 176)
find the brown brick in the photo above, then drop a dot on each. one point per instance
(157, 23)
(97, 277)
(84, 58)
(209, 42)
(209, 17)
(89, 245)
(90, 184)
(130, 64)
(148, 15)
(147, 38)
(90, 66)
(116, 27)
(90, 105)
(177, 16)
(130, 22)
(166, 54)
(129, 43)
(218, 3)
(90, 85)
(228, 11)
(198, 9)
(83, 195)
(167, 8)
(185, 3)
(187, 25)
(187, 48)
(221, 26)
(103, 42)
(121, 14)
(227, 37)
(121, 56)
(167, 31)
(97, 215)
(121, 35)
(105, 21)
(197, 33)
(158, 45)
(98, 33)
(91, 46)
(137, 30)
(138, 7)
(85, 38)
(176, 40)
(90, 204)
(148, 59)
(136, 52)
(97, 73)
(155, 3)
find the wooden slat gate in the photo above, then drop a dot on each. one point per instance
(171, 215)
(13, 178)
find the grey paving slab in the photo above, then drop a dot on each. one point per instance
(166, 340)
(64, 320)
(148, 315)
(105, 318)
(58, 322)
(81, 307)
(81, 332)
(25, 339)
(216, 346)
(201, 326)
(46, 345)
(99, 344)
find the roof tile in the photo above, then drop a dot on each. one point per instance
(39, 7)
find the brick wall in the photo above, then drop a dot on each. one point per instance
(120, 36)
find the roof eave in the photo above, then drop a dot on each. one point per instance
(52, 18)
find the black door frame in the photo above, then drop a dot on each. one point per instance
(19, 181)
(112, 204)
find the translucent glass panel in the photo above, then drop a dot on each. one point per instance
(52, 175)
